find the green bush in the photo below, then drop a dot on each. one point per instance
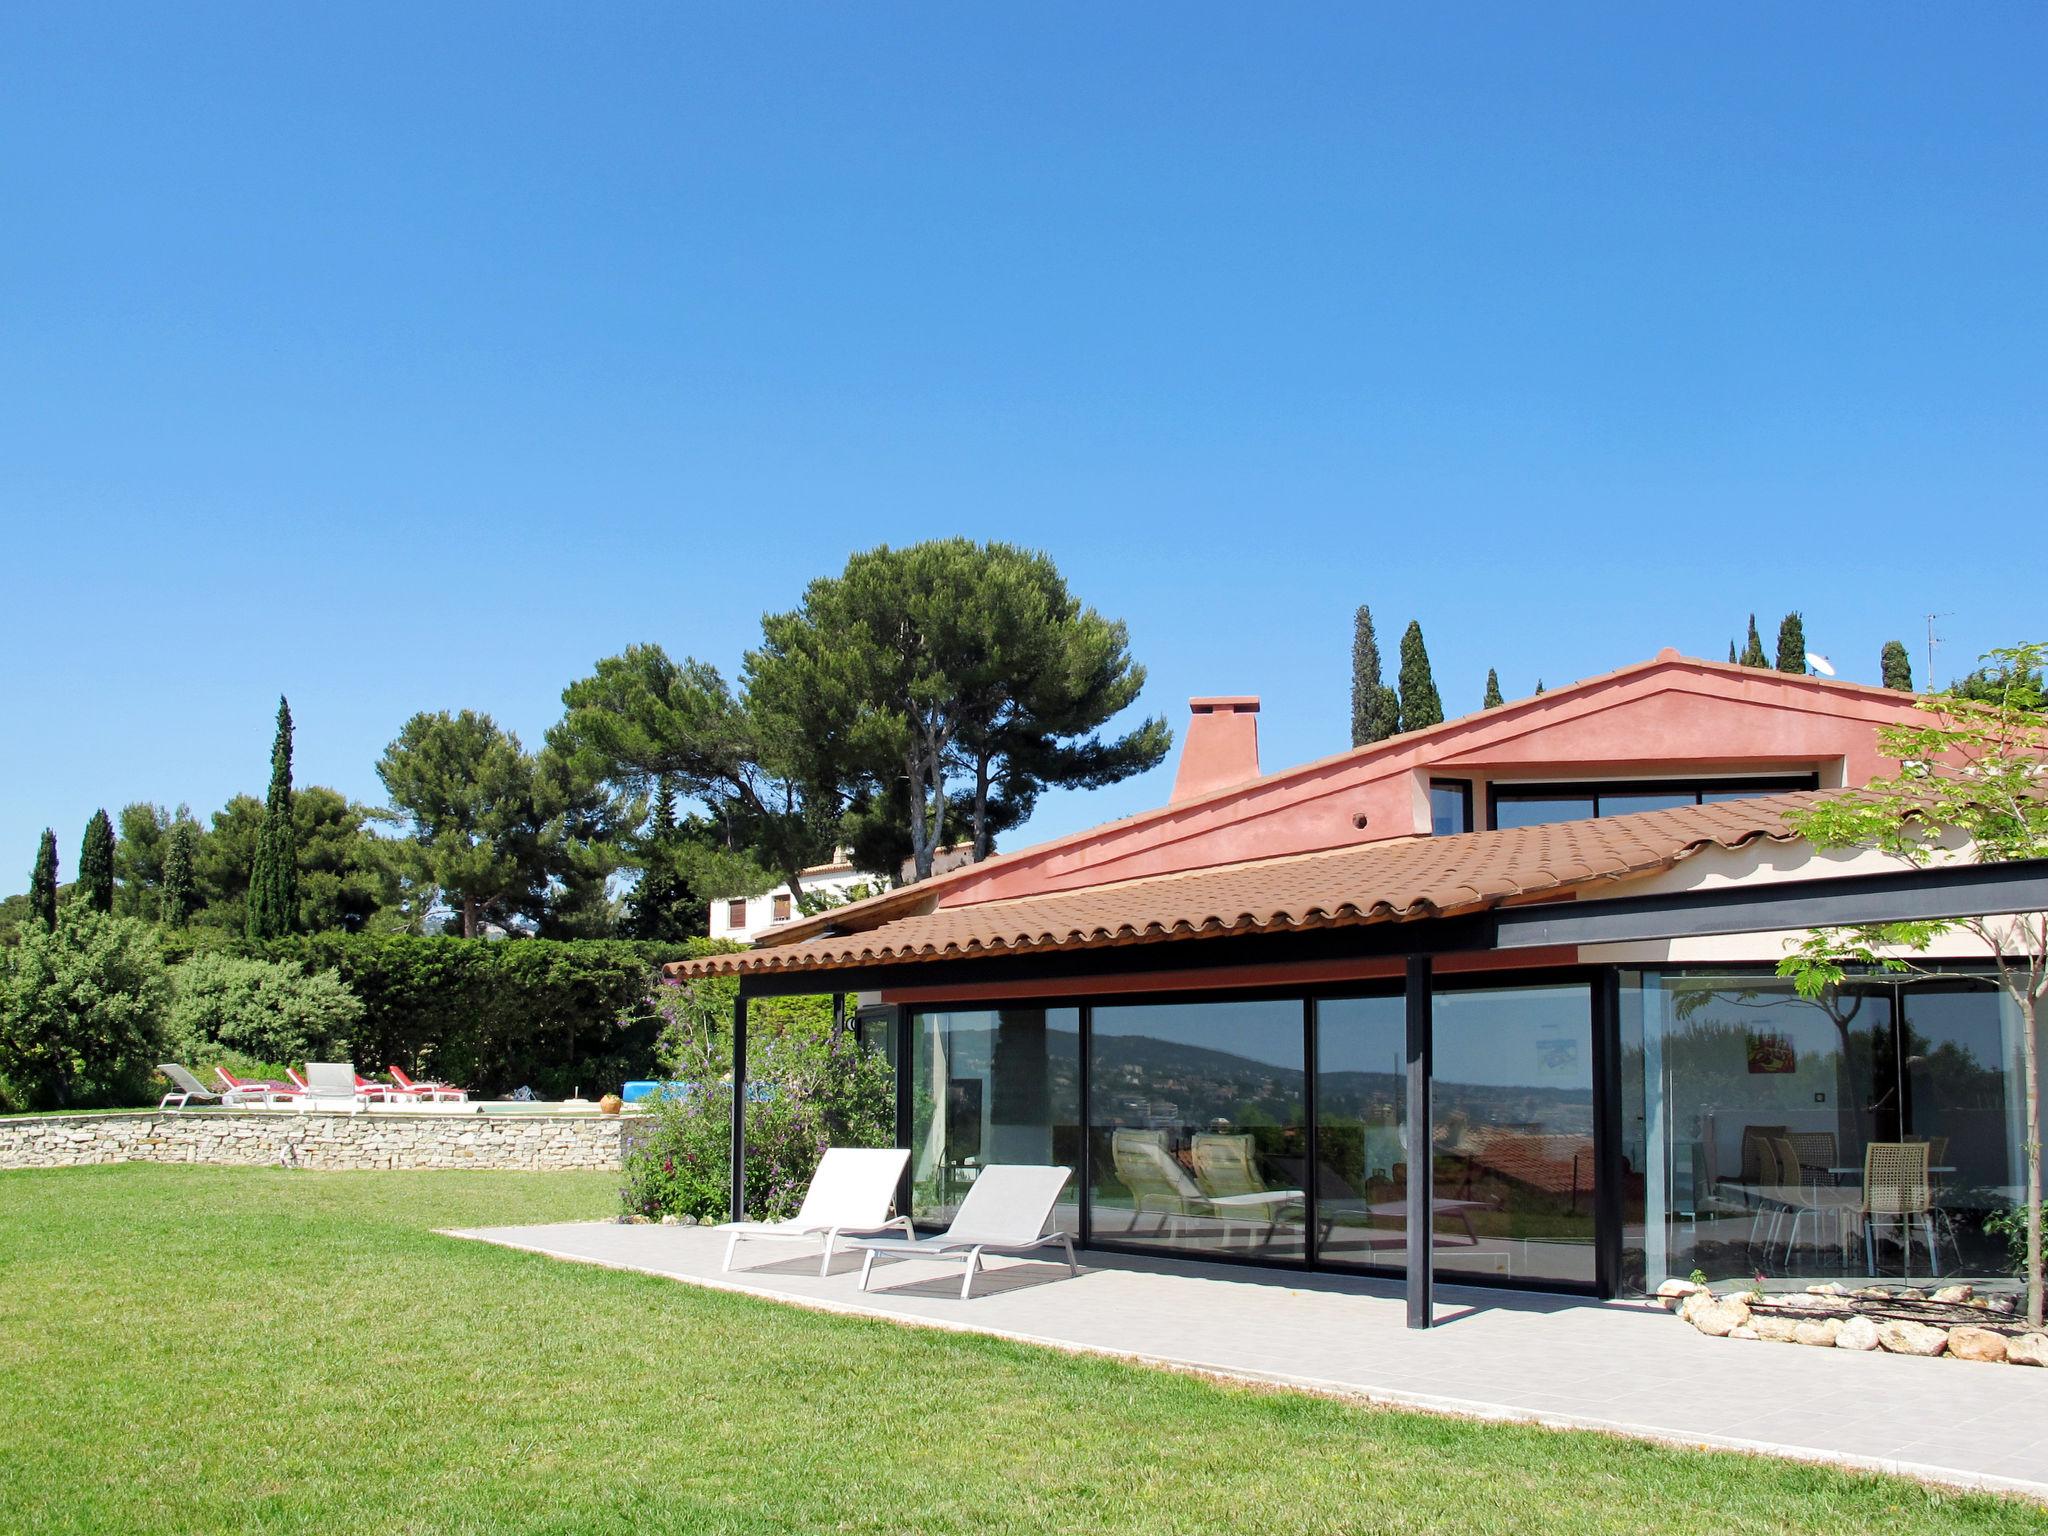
(808, 1089)
(81, 1013)
(551, 1015)
(258, 1010)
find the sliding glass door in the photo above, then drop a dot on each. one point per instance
(1515, 1163)
(1198, 1127)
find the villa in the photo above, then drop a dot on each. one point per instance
(1539, 940)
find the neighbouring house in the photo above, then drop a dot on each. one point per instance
(1538, 941)
(743, 918)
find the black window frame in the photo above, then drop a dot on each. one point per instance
(1464, 789)
(1592, 789)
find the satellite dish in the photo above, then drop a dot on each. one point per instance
(1820, 664)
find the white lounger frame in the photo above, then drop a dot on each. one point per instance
(1005, 1211)
(851, 1192)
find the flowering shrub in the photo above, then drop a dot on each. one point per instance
(807, 1090)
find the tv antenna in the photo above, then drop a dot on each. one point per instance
(1933, 640)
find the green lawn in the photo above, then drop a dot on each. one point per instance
(202, 1349)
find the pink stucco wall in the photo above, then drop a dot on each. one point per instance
(1672, 715)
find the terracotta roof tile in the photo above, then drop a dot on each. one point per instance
(1383, 881)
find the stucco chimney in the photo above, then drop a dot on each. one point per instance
(1221, 747)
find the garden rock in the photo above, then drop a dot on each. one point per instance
(1832, 1288)
(1957, 1293)
(1821, 1333)
(1857, 1333)
(2028, 1349)
(1720, 1318)
(1908, 1338)
(1743, 1333)
(1777, 1329)
(1975, 1344)
(1673, 1293)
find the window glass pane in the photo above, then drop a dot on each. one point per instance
(1196, 1126)
(1518, 811)
(1514, 1133)
(1962, 1094)
(1447, 809)
(1624, 802)
(1753, 1117)
(1361, 1131)
(992, 1086)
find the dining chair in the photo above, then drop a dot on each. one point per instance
(1896, 1194)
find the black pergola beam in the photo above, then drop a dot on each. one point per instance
(739, 1109)
(1421, 1279)
(1895, 896)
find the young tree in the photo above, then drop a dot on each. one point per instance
(178, 889)
(1897, 666)
(1420, 704)
(1733, 660)
(96, 864)
(1492, 700)
(1976, 768)
(273, 908)
(1539, 685)
(42, 883)
(1792, 644)
(1375, 708)
(1753, 649)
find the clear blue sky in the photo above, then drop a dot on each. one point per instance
(413, 357)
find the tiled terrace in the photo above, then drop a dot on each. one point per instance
(1622, 1367)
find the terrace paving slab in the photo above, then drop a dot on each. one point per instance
(1628, 1368)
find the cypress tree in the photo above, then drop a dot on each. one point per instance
(179, 892)
(1421, 706)
(648, 909)
(1792, 644)
(1539, 685)
(1732, 658)
(1753, 652)
(1897, 667)
(42, 882)
(1493, 699)
(96, 864)
(1375, 708)
(274, 882)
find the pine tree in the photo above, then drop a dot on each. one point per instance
(1493, 699)
(1792, 644)
(42, 882)
(1897, 667)
(1753, 651)
(1421, 706)
(178, 892)
(1375, 708)
(274, 881)
(96, 864)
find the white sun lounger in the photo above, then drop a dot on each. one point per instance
(185, 1088)
(851, 1192)
(1006, 1209)
(331, 1085)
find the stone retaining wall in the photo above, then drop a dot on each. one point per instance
(319, 1140)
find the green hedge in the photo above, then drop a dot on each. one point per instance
(552, 1015)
